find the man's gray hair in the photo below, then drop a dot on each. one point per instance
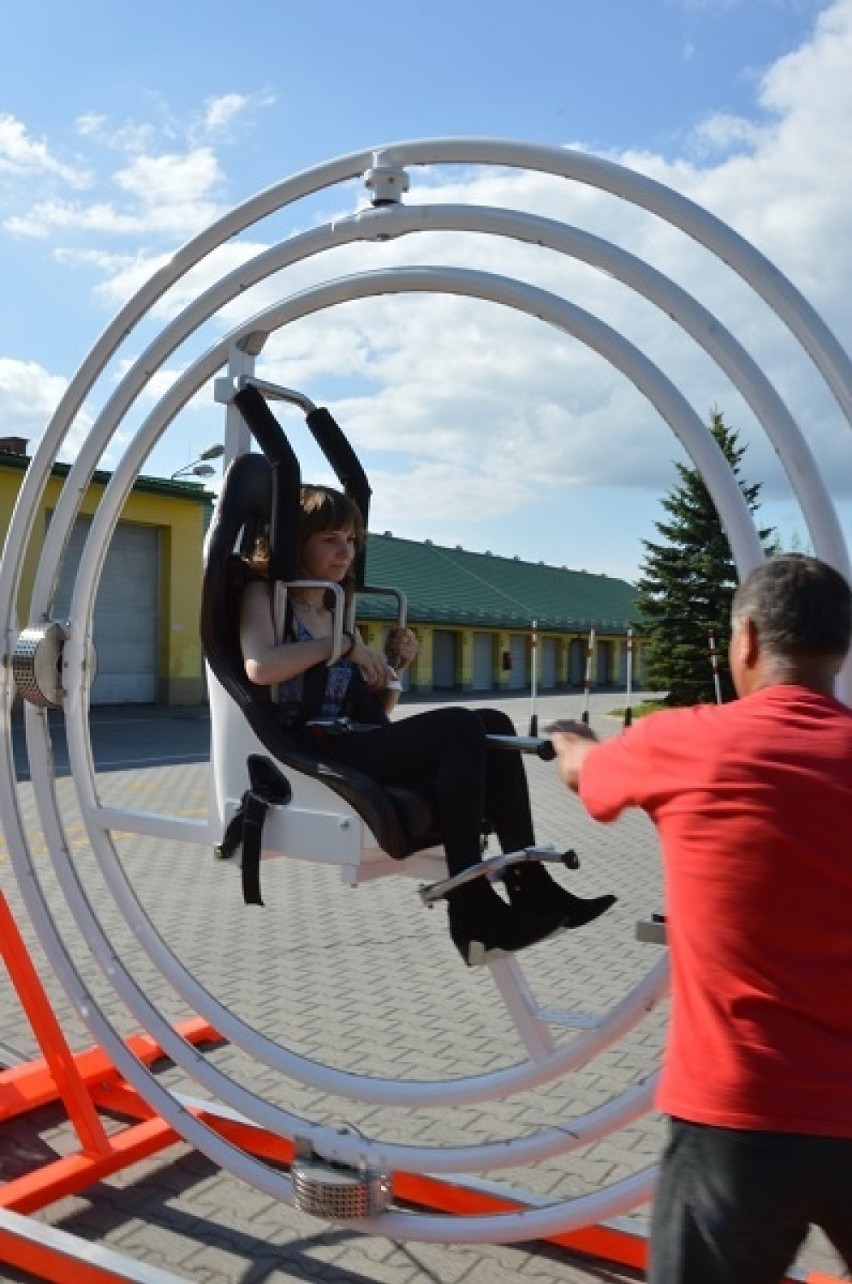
(800, 607)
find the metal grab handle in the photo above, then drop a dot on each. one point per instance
(524, 744)
(401, 613)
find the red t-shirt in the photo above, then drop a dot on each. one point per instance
(753, 805)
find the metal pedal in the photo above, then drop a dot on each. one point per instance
(494, 867)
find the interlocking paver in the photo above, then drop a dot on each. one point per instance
(368, 981)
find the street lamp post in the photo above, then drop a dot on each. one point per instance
(199, 467)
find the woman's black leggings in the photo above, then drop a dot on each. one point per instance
(447, 749)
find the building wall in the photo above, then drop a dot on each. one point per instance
(608, 668)
(181, 524)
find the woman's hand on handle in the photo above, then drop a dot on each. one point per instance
(373, 666)
(401, 648)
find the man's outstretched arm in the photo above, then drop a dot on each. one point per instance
(571, 742)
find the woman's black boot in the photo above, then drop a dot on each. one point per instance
(484, 927)
(532, 891)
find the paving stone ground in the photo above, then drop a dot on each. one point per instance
(362, 979)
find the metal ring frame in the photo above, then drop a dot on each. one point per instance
(385, 171)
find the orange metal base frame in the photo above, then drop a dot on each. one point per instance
(88, 1082)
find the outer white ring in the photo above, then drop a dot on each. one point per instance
(810, 331)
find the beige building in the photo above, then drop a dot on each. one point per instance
(473, 612)
(145, 623)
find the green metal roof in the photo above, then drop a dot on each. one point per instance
(179, 489)
(454, 586)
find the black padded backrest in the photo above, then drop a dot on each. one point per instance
(243, 508)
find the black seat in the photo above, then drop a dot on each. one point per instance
(402, 820)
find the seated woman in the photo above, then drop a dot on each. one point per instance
(444, 747)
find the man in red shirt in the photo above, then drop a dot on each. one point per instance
(753, 806)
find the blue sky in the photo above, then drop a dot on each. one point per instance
(124, 131)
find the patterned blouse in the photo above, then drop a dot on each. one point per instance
(338, 678)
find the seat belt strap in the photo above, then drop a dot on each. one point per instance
(254, 807)
(268, 786)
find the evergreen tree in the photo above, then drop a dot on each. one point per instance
(686, 584)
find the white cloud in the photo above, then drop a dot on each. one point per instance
(487, 411)
(22, 156)
(169, 195)
(129, 138)
(175, 179)
(725, 132)
(175, 219)
(106, 264)
(29, 395)
(222, 115)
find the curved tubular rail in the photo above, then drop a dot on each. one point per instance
(510, 1228)
(505, 1228)
(794, 453)
(351, 1149)
(732, 249)
(828, 542)
(544, 305)
(772, 414)
(549, 308)
(642, 999)
(815, 339)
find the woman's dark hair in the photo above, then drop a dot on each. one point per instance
(320, 509)
(324, 509)
(801, 608)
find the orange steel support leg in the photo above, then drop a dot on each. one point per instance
(88, 1078)
(74, 1079)
(42, 1018)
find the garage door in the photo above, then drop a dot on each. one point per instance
(576, 662)
(621, 649)
(547, 673)
(444, 660)
(603, 675)
(518, 652)
(482, 678)
(126, 624)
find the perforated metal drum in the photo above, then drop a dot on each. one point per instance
(335, 1193)
(36, 664)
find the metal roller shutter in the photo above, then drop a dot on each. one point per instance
(621, 648)
(444, 660)
(547, 672)
(576, 662)
(603, 673)
(482, 678)
(518, 652)
(126, 624)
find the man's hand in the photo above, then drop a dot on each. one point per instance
(571, 742)
(567, 727)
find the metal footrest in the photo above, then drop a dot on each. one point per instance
(494, 867)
